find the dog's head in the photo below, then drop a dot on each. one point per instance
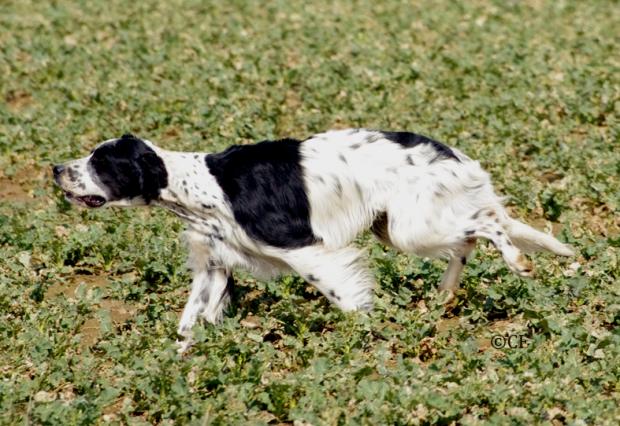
(122, 172)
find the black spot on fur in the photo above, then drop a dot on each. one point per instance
(129, 168)
(207, 206)
(356, 145)
(72, 174)
(333, 295)
(312, 278)
(410, 161)
(470, 232)
(338, 187)
(410, 140)
(341, 157)
(374, 137)
(359, 191)
(204, 294)
(265, 188)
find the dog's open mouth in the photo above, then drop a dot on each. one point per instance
(89, 200)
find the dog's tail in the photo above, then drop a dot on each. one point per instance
(530, 240)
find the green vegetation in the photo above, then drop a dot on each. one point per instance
(89, 300)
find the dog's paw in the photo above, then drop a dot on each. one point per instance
(525, 267)
(184, 345)
(447, 297)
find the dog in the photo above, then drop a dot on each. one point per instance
(295, 206)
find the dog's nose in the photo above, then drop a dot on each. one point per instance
(58, 169)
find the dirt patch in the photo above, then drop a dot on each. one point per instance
(484, 344)
(13, 191)
(543, 225)
(118, 311)
(18, 186)
(68, 289)
(17, 100)
(503, 328)
(447, 324)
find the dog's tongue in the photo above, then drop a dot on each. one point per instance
(93, 200)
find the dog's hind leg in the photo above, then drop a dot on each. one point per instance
(340, 274)
(490, 228)
(451, 278)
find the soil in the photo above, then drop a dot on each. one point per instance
(17, 100)
(119, 310)
(12, 191)
(18, 187)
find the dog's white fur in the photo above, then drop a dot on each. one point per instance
(431, 208)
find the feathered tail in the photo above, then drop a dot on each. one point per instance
(530, 240)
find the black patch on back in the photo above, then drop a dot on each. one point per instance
(410, 140)
(129, 168)
(265, 188)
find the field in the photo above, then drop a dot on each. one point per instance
(90, 300)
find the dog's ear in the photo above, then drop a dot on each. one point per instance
(154, 176)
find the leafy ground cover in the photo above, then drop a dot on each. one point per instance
(89, 300)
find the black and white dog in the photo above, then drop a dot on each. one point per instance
(289, 205)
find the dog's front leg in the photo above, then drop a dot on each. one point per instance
(198, 298)
(208, 298)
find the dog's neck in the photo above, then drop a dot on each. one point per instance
(192, 191)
